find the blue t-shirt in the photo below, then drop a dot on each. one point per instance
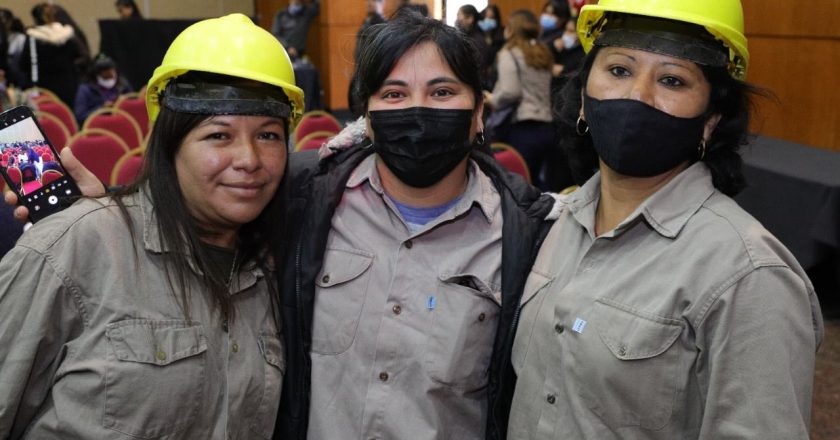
(416, 218)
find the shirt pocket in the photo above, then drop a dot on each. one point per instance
(464, 316)
(339, 298)
(626, 365)
(155, 376)
(271, 347)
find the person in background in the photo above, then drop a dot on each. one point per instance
(291, 25)
(83, 61)
(409, 253)
(657, 307)
(420, 8)
(375, 15)
(56, 52)
(491, 25)
(524, 66)
(556, 172)
(153, 312)
(103, 87)
(555, 15)
(12, 96)
(467, 22)
(128, 10)
(15, 38)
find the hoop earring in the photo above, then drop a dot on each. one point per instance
(701, 149)
(479, 138)
(581, 127)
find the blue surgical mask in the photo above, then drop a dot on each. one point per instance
(569, 40)
(487, 25)
(294, 9)
(548, 22)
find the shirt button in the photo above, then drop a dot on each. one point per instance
(622, 350)
(235, 347)
(550, 399)
(559, 328)
(482, 317)
(325, 279)
(409, 244)
(396, 309)
(383, 376)
(160, 355)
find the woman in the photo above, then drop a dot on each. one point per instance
(102, 88)
(658, 308)
(493, 28)
(152, 313)
(416, 248)
(127, 10)
(467, 21)
(524, 67)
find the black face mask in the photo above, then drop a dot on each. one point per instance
(421, 145)
(635, 139)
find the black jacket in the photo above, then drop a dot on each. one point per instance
(316, 189)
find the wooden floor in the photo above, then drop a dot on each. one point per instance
(825, 415)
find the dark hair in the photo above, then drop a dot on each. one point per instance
(730, 98)
(496, 14)
(135, 12)
(388, 42)
(559, 8)
(524, 30)
(179, 231)
(470, 11)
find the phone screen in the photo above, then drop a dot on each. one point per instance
(31, 166)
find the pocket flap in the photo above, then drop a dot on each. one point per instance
(632, 334)
(536, 281)
(272, 349)
(155, 342)
(342, 265)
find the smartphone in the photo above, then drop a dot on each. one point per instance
(31, 166)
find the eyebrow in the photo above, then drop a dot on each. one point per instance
(431, 82)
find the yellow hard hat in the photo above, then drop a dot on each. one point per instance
(723, 19)
(231, 45)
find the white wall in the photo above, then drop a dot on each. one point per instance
(88, 12)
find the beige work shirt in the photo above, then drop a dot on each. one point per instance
(404, 323)
(687, 321)
(93, 344)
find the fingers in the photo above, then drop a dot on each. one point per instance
(86, 180)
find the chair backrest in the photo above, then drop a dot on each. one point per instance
(60, 111)
(55, 130)
(38, 94)
(315, 120)
(50, 176)
(511, 159)
(313, 141)
(128, 167)
(28, 172)
(118, 122)
(14, 174)
(98, 150)
(135, 105)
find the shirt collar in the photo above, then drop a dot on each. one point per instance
(480, 189)
(666, 211)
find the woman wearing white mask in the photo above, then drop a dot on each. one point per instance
(657, 307)
(101, 90)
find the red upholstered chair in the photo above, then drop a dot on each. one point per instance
(50, 176)
(98, 150)
(14, 175)
(39, 94)
(60, 111)
(313, 141)
(511, 159)
(135, 105)
(128, 167)
(118, 122)
(55, 129)
(315, 120)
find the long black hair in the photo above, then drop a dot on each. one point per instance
(730, 98)
(258, 241)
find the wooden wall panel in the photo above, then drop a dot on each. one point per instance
(795, 53)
